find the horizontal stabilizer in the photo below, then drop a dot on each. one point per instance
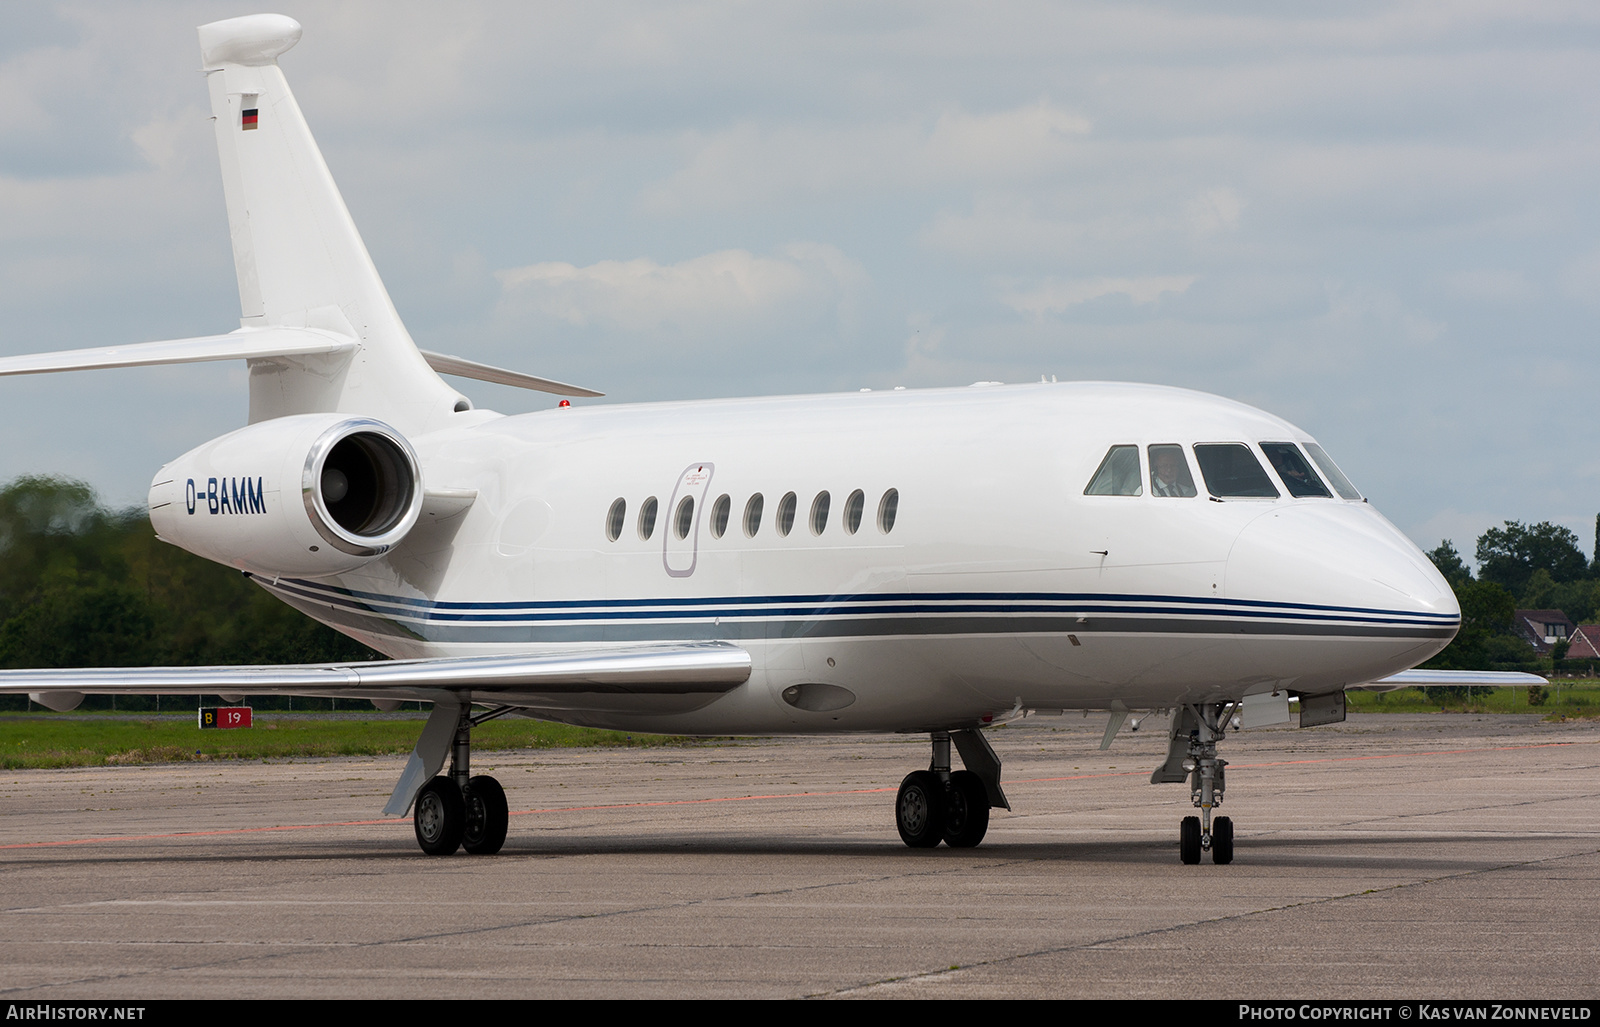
(1436, 678)
(671, 669)
(244, 344)
(445, 364)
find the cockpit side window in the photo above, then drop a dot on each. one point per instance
(1297, 475)
(1118, 474)
(1169, 472)
(1231, 470)
(1330, 471)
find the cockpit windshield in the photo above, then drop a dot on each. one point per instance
(1330, 470)
(1231, 470)
(1169, 472)
(1297, 475)
(1118, 474)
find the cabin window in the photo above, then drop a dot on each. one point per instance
(615, 519)
(1297, 475)
(819, 513)
(1330, 471)
(1169, 472)
(1230, 469)
(719, 515)
(647, 518)
(888, 506)
(786, 507)
(853, 508)
(683, 520)
(1118, 474)
(752, 515)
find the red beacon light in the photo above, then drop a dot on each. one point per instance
(564, 403)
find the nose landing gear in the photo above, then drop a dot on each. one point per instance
(937, 804)
(1192, 756)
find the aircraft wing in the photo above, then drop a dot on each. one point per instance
(1432, 678)
(527, 680)
(662, 670)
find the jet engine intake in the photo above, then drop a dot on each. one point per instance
(311, 495)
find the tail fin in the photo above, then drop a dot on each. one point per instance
(300, 261)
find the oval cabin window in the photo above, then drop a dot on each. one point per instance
(719, 515)
(819, 513)
(684, 519)
(647, 518)
(786, 507)
(752, 516)
(852, 511)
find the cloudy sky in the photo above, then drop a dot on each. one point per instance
(1378, 220)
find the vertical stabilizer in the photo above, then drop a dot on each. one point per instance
(299, 258)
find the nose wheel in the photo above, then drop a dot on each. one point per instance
(1205, 726)
(1192, 841)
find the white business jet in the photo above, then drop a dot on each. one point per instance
(932, 561)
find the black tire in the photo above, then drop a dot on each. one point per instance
(966, 818)
(1222, 841)
(487, 817)
(440, 817)
(1189, 840)
(919, 810)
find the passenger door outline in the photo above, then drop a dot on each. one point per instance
(679, 555)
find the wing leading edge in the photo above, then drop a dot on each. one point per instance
(1433, 678)
(666, 670)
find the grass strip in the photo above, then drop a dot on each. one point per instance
(65, 740)
(1563, 700)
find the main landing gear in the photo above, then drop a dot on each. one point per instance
(1192, 757)
(458, 811)
(936, 805)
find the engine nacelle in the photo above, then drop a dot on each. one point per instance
(311, 495)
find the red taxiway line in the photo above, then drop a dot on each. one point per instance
(400, 822)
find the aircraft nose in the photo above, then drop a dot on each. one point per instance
(1345, 556)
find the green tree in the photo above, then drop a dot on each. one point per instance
(1485, 637)
(1450, 563)
(1510, 555)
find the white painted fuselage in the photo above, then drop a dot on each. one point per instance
(1000, 587)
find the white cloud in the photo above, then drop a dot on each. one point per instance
(716, 292)
(1023, 142)
(1055, 296)
(748, 164)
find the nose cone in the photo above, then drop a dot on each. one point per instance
(1343, 573)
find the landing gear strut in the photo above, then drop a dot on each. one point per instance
(458, 811)
(1192, 756)
(937, 804)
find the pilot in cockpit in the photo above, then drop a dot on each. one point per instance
(1169, 472)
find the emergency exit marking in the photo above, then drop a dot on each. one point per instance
(224, 716)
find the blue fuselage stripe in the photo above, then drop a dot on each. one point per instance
(895, 605)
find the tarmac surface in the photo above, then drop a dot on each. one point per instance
(1427, 856)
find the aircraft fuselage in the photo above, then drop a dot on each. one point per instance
(1000, 586)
